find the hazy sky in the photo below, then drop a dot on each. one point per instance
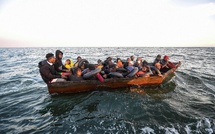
(107, 23)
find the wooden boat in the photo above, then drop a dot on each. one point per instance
(112, 83)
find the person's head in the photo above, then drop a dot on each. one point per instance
(68, 61)
(166, 58)
(158, 66)
(132, 58)
(99, 62)
(78, 58)
(109, 58)
(50, 57)
(118, 60)
(158, 57)
(128, 60)
(59, 54)
(77, 71)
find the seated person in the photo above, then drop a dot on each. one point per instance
(59, 67)
(129, 68)
(138, 63)
(108, 62)
(69, 63)
(156, 69)
(99, 65)
(153, 70)
(116, 72)
(78, 59)
(113, 68)
(93, 73)
(157, 60)
(107, 65)
(166, 64)
(144, 72)
(48, 72)
(77, 75)
(158, 65)
(119, 63)
(127, 62)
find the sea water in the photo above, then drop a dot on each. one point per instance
(185, 104)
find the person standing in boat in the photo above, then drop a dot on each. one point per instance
(48, 72)
(58, 63)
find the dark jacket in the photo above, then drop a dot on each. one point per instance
(168, 66)
(126, 64)
(58, 65)
(47, 71)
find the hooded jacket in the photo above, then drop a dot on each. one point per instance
(58, 65)
(47, 71)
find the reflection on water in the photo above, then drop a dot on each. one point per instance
(157, 90)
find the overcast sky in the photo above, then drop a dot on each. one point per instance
(107, 23)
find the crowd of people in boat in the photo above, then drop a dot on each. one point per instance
(53, 70)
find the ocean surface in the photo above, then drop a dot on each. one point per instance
(185, 104)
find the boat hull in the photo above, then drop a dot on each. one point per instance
(113, 83)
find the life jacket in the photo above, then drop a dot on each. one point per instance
(140, 72)
(68, 66)
(119, 64)
(100, 66)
